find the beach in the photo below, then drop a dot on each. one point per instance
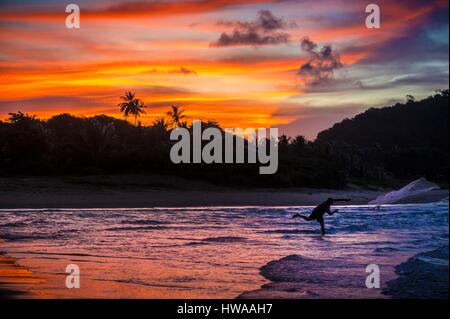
(224, 252)
(115, 192)
(15, 281)
(129, 191)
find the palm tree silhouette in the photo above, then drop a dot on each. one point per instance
(131, 105)
(177, 116)
(21, 117)
(161, 123)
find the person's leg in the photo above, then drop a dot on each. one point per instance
(322, 225)
(301, 216)
(333, 212)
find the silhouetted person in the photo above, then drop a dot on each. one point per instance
(319, 211)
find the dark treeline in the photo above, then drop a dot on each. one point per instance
(403, 141)
(380, 146)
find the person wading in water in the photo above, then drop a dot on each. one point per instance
(319, 211)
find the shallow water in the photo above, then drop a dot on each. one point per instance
(216, 252)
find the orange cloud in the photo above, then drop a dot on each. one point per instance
(133, 9)
(47, 69)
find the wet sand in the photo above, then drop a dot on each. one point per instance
(15, 281)
(142, 198)
(9, 273)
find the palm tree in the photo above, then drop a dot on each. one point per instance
(131, 105)
(177, 116)
(21, 117)
(161, 123)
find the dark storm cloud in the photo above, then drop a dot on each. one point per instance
(265, 30)
(321, 64)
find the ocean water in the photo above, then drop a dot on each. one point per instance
(219, 252)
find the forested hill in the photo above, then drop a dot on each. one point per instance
(413, 124)
(401, 141)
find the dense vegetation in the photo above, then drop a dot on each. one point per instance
(402, 141)
(380, 146)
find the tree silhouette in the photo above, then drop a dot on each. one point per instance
(20, 117)
(161, 123)
(388, 147)
(177, 116)
(410, 98)
(131, 105)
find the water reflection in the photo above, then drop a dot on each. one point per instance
(210, 252)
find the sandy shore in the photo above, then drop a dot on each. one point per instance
(139, 191)
(169, 198)
(11, 277)
(15, 281)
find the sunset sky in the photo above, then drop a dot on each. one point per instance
(296, 65)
